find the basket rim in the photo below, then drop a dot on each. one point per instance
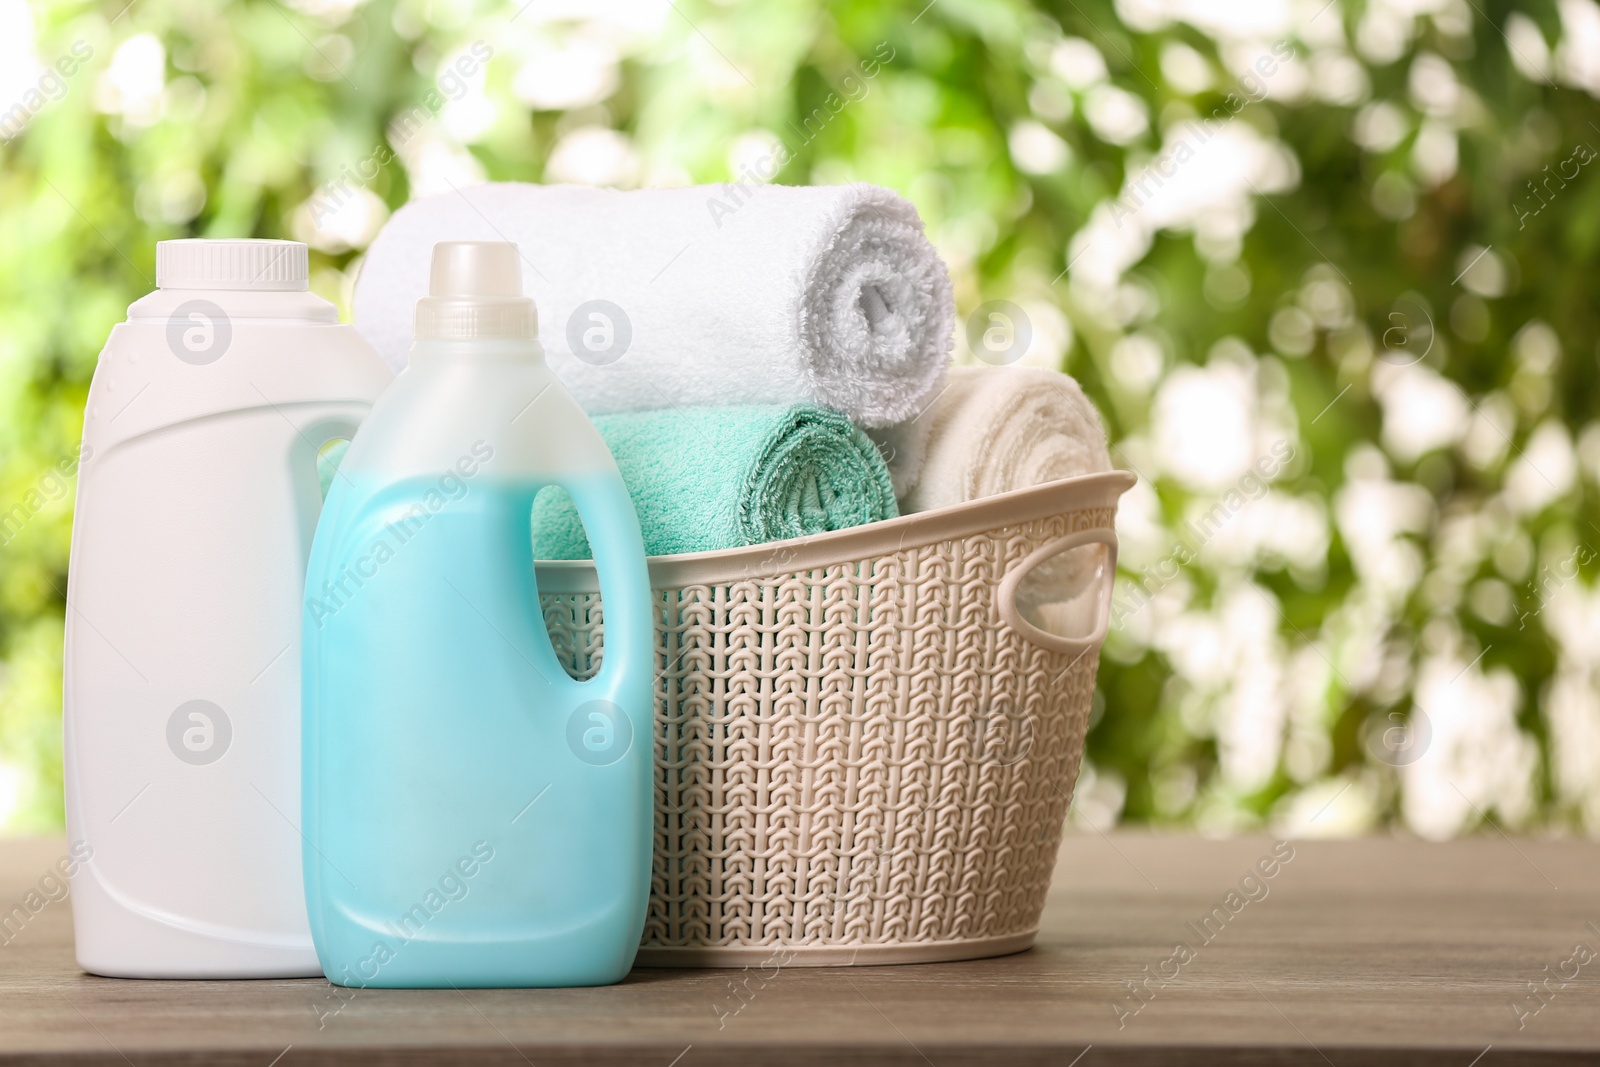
(858, 542)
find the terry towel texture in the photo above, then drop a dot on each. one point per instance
(723, 477)
(995, 429)
(718, 295)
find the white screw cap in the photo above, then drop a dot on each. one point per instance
(197, 263)
(475, 293)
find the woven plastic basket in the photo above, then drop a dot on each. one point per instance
(866, 741)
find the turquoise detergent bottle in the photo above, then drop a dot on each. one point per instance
(472, 815)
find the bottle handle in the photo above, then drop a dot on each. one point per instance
(304, 456)
(628, 635)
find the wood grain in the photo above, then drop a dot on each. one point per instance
(1379, 951)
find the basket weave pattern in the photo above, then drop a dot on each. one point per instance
(859, 755)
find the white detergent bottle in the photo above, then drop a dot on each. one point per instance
(198, 494)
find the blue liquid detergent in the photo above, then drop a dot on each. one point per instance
(474, 817)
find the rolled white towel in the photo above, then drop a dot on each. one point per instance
(995, 429)
(711, 294)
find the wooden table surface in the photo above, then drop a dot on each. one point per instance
(1360, 952)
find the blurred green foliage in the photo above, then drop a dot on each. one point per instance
(1347, 256)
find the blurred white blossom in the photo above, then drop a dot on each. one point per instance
(1478, 762)
(1116, 115)
(1077, 63)
(1545, 471)
(131, 86)
(576, 72)
(1204, 419)
(593, 155)
(1036, 149)
(1374, 514)
(1577, 59)
(1422, 410)
(1526, 45)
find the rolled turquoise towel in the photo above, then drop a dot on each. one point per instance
(705, 478)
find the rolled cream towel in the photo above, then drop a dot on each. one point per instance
(992, 430)
(717, 295)
(995, 429)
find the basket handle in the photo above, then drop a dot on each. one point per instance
(1007, 601)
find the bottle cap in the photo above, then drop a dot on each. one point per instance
(475, 293)
(197, 263)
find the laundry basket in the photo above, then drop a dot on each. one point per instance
(866, 741)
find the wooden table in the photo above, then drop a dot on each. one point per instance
(1364, 952)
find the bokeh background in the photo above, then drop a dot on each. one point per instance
(1348, 246)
